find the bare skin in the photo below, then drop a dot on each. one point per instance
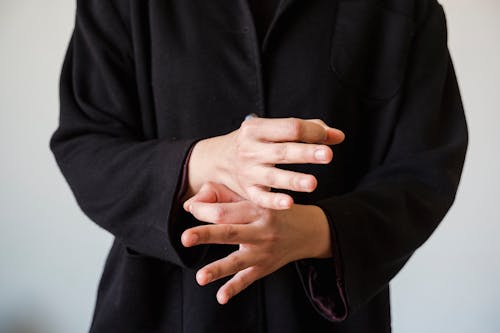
(229, 182)
(244, 160)
(268, 239)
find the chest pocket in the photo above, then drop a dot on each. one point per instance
(370, 46)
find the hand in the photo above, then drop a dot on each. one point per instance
(268, 239)
(244, 160)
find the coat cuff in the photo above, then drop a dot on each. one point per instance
(180, 220)
(322, 280)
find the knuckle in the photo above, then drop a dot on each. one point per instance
(204, 235)
(252, 193)
(280, 152)
(294, 128)
(248, 127)
(242, 282)
(244, 151)
(208, 185)
(219, 214)
(308, 153)
(205, 186)
(230, 232)
(244, 127)
(270, 178)
(236, 262)
(216, 271)
(257, 198)
(319, 121)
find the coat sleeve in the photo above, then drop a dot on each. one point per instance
(122, 180)
(398, 204)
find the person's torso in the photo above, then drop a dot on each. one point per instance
(201, 68)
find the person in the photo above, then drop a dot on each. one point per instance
(201, 135)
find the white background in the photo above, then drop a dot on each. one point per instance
(51, 255)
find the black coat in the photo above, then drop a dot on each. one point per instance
(145, 79)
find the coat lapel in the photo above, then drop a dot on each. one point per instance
(283, 5)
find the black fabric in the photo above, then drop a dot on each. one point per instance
(263, 13)
(144, 80)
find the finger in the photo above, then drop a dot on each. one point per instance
(232, 264)
(285, 179)
(268, 199)
(237, 284)
(334, 136)
(213, 192)
(285, 130)
(236, 213)
(219, 234)
(202, 196)
(293, 153)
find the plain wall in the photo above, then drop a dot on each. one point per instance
(51, 255)
(452, 283)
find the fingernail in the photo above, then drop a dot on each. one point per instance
(208, 277)
(190, 207)
(320, 155)
(284, 203)
(305, 183)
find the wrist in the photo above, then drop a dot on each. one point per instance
(195, 171)
(310, 226)
(203, 165)
(321, 244)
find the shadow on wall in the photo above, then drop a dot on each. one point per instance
(26, 319)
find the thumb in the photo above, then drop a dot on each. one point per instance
(205, 194)
(334, 136)
(212, 192)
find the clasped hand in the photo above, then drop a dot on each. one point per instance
(245, 159)
(268, 238)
